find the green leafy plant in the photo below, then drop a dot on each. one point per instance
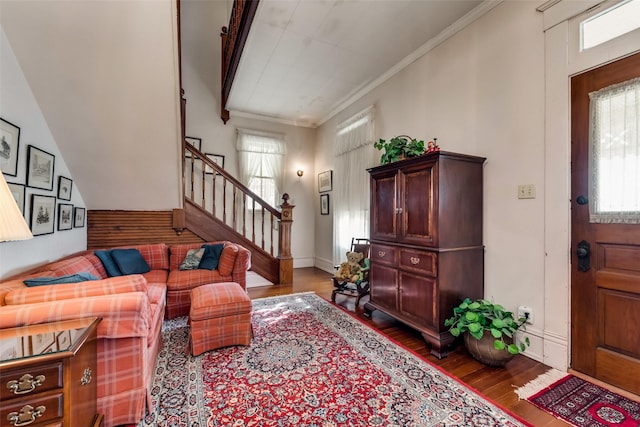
(398, 147)
(481, 315)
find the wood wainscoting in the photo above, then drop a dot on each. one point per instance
(106, 229)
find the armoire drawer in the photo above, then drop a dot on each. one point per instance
(383, 254)
(419, 261)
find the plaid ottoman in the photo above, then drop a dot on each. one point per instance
(220, 316)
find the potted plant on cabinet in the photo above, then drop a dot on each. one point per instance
(398, 148)
(488, 331)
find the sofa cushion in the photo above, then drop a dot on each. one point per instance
(192, 259)
(69, 278)
(71, 265)
(189, 279)
(110, 265)
(211, 256)
(104, 287)
(130, 261)
(227, 259)
(155, 254)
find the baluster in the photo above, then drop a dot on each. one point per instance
(262, 226)
(224, 200)
(235, 220)
(271, 226)
(253, 220)
(204, 187)
(244, 214)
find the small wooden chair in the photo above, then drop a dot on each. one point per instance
(359, 288)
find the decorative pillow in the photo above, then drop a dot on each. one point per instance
(70, 278)
(130, 261)
(211, 256)
(109, 263)
(227, 260)
(192, 260)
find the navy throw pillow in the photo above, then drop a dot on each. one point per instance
(70, 278)
(130, 261)
(109, 263)
(211, 256)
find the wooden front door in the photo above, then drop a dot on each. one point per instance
(605, 239)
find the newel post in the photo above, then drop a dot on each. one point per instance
(284, 243)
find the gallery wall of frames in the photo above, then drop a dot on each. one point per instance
(48, 193)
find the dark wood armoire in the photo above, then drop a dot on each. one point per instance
(426, 241)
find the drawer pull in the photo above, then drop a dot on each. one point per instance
(414, 260)
(25, 384)
(26, 416)
(86, 377)
(381, 254)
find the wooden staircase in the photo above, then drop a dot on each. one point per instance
(219, 207)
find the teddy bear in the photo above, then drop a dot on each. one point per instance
(350, 269)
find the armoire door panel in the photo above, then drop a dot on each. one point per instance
(383, 191)
(418, 297)
(417, 201)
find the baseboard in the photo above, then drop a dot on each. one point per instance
(303, 262)
(325, 265)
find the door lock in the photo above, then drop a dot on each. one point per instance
(584, 255)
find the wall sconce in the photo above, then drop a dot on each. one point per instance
(300, 172)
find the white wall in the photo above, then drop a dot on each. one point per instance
(481, 92)
(201, 24)
(18, 106)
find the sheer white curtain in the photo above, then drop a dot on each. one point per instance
(354, 153)
(615, 153)
(261, 163)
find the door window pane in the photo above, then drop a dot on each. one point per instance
(615, 153)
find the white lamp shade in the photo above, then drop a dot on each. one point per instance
(12, 223)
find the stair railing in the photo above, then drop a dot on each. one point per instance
(238, 209)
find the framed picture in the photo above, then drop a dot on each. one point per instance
(65, 216)
(218, 159)
(63, 340)
(65, 185)
(42, 214)
(325, 181)
(324, 204)
(196, 142)
(18, 191)
(78, 217)
(9, 142)
(40, 168)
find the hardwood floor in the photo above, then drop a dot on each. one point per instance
(498, 384)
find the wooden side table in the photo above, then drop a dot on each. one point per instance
(48, 375)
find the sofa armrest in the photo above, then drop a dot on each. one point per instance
(110, 286)
(241, 266)
(123, 315)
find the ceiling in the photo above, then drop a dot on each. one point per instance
(305, 59)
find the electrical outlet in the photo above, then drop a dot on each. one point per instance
(527, 191)
(526, 312)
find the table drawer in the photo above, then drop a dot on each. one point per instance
(26, 381)
(383, 254)
(37, 409)
(419, 261)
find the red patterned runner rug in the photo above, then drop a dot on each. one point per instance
(309, 364)
(582, 403)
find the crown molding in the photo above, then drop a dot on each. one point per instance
(445, 34)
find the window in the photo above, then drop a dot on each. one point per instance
(354, 153)
(615, 153)
(261, 160)
(613, 22)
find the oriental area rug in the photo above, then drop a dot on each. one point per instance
(582, 403)
(309, 364)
